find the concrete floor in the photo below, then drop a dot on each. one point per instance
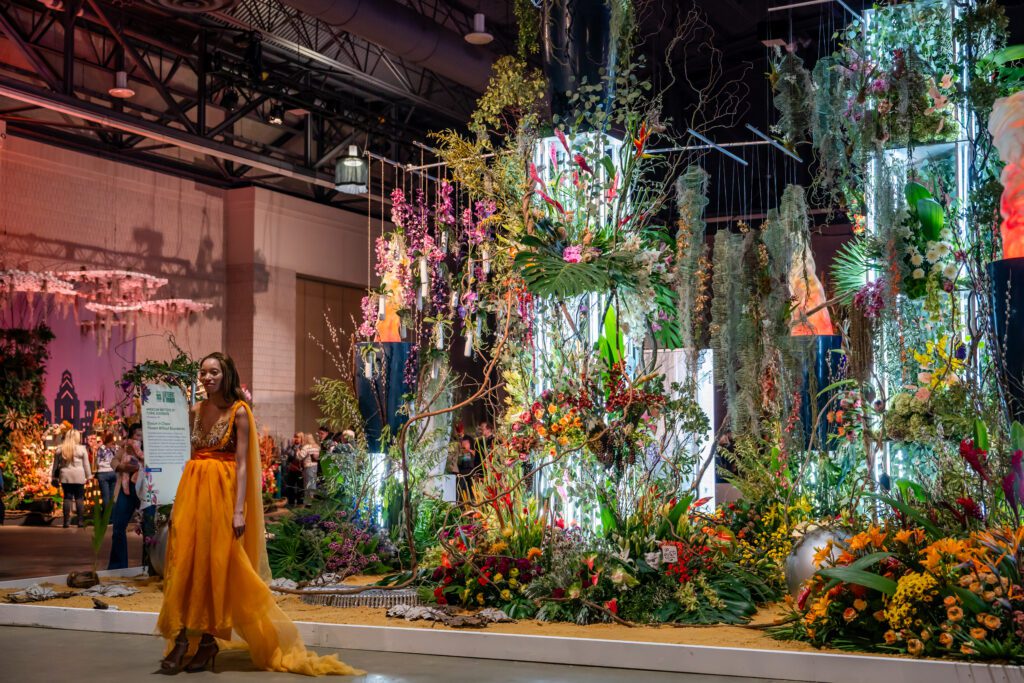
(45, 551)
(28, 655)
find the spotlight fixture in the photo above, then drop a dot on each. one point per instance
(276, 115)
(229, 100)
(479, 34)
(351, 172)
(121, 89)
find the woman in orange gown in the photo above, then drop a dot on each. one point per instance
(216, 575)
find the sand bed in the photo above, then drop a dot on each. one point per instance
(149, 597)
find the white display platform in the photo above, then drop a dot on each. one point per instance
(768, 664)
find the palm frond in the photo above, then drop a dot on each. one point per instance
(851, 268)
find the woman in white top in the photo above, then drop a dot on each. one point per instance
(105, 473)
(74, 472)
(310, 457)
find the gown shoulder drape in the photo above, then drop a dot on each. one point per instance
(217, 584)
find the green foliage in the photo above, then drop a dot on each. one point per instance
(338, 405)
(611, 344)
(182, 372)
(851, 268)
(100, 522)
(691, 256)
(295, 551)
(792, 88)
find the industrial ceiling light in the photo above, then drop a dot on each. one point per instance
(351, 172)
(479, 34)
(276, 115)
(121, 90)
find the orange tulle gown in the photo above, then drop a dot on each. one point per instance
(217, 584)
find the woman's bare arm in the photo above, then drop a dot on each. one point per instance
(241, 469)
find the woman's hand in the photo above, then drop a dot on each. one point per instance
(238, 523)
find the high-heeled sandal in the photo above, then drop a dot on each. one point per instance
(206, 654)
(171, 664)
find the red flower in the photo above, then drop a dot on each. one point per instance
(640, 141)
(612, 606)
(801, 597)
(561, 138)
(535, 177)
(970, 508)
(582, 163)
(975, 457)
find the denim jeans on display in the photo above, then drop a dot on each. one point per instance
(124, 507)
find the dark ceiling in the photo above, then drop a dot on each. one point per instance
(207, 82)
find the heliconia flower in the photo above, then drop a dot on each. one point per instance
(612, 605)
(535, 177)
(582, 163)
(612, 191)
(970, 508)
(553, 155)
(640, 141)
(975, 457)
(561, 138)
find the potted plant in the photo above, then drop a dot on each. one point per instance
(100, 522)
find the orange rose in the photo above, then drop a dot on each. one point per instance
(954, 614)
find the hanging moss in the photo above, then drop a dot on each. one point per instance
(792, 88)
(691, 254)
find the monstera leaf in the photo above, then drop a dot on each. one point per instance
(547, 274)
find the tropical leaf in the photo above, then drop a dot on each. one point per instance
(850, 268)
(861, 578)
(914, 193)
(1017, 436)
(926, 524)
(549, 275)
(932, 218)
(980, 434)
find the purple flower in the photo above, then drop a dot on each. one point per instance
(870, 299)
(572, 254)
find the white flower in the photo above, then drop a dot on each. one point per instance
(918, 273)
(916, 259)
(942, 249)
(937, 268)
(946, 235)
(949, 272)
(932, 255)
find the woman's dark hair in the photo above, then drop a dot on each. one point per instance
(230, 385)
(108, 438)
(132, 428)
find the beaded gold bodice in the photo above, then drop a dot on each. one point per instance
(221, 437)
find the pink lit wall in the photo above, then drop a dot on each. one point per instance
(64, 210)
(240, 250)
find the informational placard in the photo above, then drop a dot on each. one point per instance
(165, 442)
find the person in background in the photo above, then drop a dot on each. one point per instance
(292, 462)
(3, 508)
(345, 443)
(127, 464)
(74, 472)
(484, 441)
(105, 474)
(310, 453)
(468, 464)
